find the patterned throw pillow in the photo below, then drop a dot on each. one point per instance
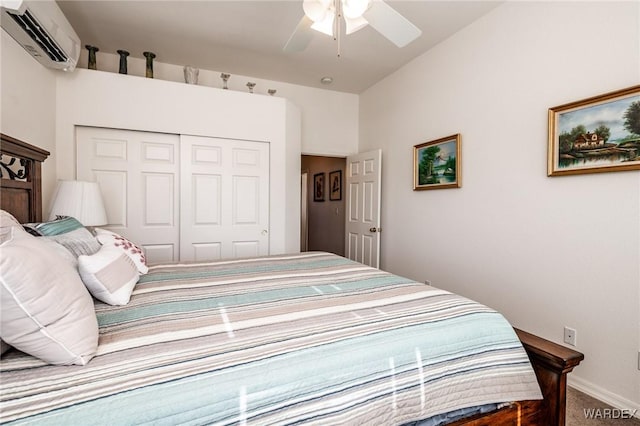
(68, 232)
(133, 251)
(110, 275)
(61, 225)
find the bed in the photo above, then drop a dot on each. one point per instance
(314, 338)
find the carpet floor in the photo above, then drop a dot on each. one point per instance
(583, 410)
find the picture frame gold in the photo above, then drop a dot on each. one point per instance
(595, 135)
(437, 163)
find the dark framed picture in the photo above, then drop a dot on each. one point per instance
(318, 187)
(436, 164)
(335, 185)
(598, 134)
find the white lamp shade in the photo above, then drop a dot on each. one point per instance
(81, 200)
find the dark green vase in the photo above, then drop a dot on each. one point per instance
(149, 56)
(92, 56)
(123, 61)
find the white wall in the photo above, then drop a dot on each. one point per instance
(329, 118)
(28, 95)
(547, 252)
(104, 99)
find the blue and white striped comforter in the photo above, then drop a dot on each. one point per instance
(311, 338)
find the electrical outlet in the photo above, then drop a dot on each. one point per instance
(570, 336)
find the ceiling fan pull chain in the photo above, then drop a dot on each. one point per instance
(336, 22)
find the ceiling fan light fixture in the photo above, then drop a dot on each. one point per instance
(355, 24)
(324, 16)
(354, 9)
(316, 10)
(326, 25)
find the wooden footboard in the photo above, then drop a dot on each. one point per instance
(552, 363)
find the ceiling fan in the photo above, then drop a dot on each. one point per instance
(324, 16)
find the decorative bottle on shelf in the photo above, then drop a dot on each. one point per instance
(92, 56)
(225, 78)
(149, 56)
(191, 75)
(123, 61)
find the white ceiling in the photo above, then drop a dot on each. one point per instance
(246, 37)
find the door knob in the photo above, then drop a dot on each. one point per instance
(264, 232)
(374, 230)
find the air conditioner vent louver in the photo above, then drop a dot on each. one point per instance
(40, 27)
(34, 30)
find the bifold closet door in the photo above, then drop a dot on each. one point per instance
(138, 173)
(224, 198)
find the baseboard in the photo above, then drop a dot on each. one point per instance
(603, 395)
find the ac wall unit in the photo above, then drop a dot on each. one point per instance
(42, 29)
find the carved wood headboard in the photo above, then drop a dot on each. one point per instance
(21, 179)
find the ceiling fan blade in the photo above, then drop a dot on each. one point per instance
(388, 22)
(301, 36)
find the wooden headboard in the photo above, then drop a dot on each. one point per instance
(21, 179)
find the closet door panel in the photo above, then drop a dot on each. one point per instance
(225, 198)
(159, 193)
(246, 248)
(246, 200)
(113, 186)
(138, 173)
(206, 199)
(161, 253)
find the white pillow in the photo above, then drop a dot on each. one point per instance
(136, 254)
(69, 257)
(110, 275)
(46, 310)
(7, 221)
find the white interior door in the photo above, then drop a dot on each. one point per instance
(362, 232)
(138, 173)
(224, 198)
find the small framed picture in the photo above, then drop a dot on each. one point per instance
(318, 187)
(335, 182)
(598, 134)
(436, 164)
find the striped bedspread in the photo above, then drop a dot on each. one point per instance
(311, 338)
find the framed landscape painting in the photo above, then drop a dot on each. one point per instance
(436, 164)
(598, 134)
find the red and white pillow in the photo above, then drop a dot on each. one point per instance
(108, 238)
